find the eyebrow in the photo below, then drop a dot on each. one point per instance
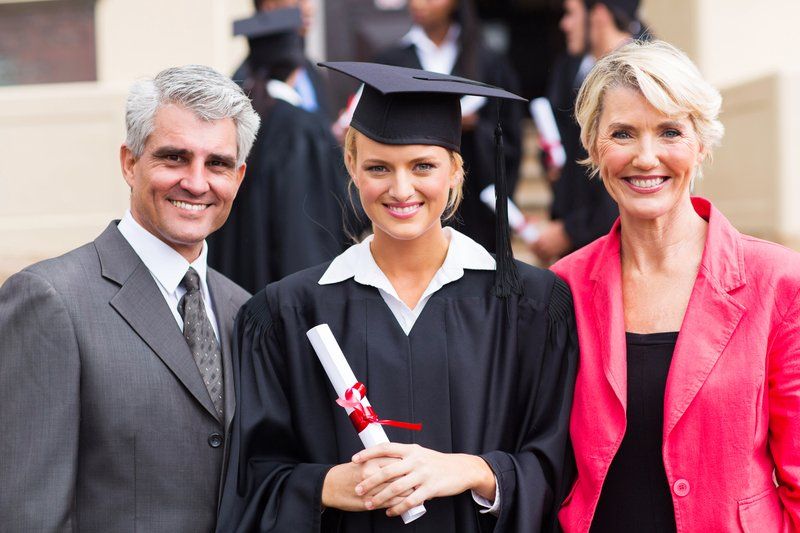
(665, 124)
(183, 152)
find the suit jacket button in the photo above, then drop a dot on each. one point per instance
(681, 488)
(215, 440)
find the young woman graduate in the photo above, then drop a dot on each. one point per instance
(446, 38)
(482, 352)
(288, 213)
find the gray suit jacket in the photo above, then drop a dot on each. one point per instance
(108, 425)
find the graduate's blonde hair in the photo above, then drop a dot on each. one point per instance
(666, 78)
(456, 193)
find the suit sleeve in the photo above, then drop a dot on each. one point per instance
(593, 211)
(784, 412)
(267, 487)
(40, 407)
(534, 481)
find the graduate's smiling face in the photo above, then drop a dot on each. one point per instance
(404, 189)
(431, 14)
(184, 182)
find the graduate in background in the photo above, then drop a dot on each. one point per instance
(289, 214)
(309, 82)
(480, 350)
(446, 38)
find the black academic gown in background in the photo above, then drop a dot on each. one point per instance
(474, 218)
(483, 376)
(288, 214)
(583, 204)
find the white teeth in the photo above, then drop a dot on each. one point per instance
(647, 183)
(187, 206)
(404, 210)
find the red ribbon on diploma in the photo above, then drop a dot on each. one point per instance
(548, 148)
(362, 415)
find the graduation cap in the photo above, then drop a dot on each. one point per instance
(409, 106)
(628, 8)
(273, 37)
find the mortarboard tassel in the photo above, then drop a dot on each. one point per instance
(506, 281)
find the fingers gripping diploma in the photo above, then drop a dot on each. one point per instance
(408, 474)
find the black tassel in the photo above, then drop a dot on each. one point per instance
(506, 280)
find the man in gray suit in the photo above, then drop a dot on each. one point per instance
(116, 390)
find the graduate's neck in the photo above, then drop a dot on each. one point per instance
(437, 33)
(419, 257)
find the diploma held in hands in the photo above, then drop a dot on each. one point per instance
(352, 396)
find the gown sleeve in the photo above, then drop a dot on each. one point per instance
(534, 480)
(267, 487)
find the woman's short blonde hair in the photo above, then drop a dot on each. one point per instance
(456, 194)
(666, 78)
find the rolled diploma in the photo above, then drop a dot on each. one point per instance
(548, 130)
(342, 378)
(527, 231)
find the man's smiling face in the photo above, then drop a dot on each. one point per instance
(184, 183)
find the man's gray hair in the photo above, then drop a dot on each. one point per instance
(200, 89)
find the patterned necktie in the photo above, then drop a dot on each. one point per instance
(200, 337)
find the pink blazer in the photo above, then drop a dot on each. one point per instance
(732, 400)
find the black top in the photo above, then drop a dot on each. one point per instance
(583, 204)
(483, 375)
(636, 494)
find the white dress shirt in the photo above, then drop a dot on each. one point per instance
(463, 253)
(283, 91)
(441, 59)
(167, 267)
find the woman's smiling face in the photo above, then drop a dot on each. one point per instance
(647, 159)
(404, 189)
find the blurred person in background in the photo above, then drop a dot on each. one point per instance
(289, 214)
(115, 358)
(686, 412)
(446, 38)
(582, 210)
(309, 82)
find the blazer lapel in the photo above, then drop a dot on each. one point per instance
(609, 316)
(141, 304)
(711, 316)
(225, 311)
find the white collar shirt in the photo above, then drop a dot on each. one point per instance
(441, 59)
(283, 91)
(358, 263)
(168, 267)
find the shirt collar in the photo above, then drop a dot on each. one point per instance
(417, 36)
(165, 264)
(283, 91)
(357, 262)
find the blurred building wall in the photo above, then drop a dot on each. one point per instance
(60, 182)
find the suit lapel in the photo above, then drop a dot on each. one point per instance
(225, 311)
(609, 317)
(141, 304)
(711, 316)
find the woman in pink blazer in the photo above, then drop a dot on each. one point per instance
(686, 414)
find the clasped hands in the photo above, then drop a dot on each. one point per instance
(398, 477)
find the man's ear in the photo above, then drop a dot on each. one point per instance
(127, 162)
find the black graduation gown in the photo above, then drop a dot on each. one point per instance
(474, 218)
(288, 214)
(482, 375)
(583, 204)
